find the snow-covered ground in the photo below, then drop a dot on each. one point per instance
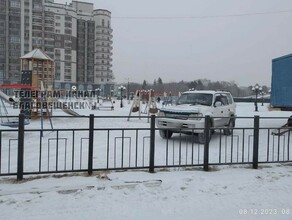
(226, 192)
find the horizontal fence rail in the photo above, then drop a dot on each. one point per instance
(110, 145)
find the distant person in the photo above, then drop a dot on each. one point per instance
(169, 98)
(158, 99)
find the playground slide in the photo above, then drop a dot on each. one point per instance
(70, 112)
(6, 98)
(65, 108)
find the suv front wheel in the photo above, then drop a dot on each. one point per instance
(165, 134)
(201, 137)
(228, 130)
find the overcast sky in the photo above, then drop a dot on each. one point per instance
(198, 39)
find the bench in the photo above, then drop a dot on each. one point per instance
(105, 107)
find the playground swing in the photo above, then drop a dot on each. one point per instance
(150, 107)
(5, 120)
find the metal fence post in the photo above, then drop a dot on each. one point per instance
(152, 144)
(206, 142)
(90, 143)
(20, 150)
(255, 159)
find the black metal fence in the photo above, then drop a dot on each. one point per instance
(109, 146)
(252, 99)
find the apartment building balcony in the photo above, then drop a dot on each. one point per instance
(49, 25)
(102, 68)
(37, 23)
(105, 41)
(103, 38)
(104, 71)
(100, 27)
(50, 46)
(50, 38)
(101, 75)
(103, 34)
(38, 27)
(99, 50)
(100, 57)
(99, 62)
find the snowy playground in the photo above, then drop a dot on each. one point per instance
(236, 192)
(229, 192)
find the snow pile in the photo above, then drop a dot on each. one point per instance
(222, 193)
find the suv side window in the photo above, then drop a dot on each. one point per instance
(229, 97)
(224, 100)
(218, 99)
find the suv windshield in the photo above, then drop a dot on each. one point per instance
(195, 99)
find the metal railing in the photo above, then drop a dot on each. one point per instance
(105, 146)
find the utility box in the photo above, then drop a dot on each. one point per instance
(281, 91)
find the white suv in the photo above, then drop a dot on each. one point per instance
(187, 116)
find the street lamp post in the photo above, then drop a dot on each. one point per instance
(128, 90)
(256, 89)
(97, 94)
(263, 93)
(121, 88)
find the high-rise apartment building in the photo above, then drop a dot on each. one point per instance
(77, 36)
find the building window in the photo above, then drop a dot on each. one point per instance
(68, 31)
(67, 45)
(58, 44)
(37, 6)
(66, 37)
(14, 39)
(67, 24)
(102, 22)
(68, 18)
(14, 3)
